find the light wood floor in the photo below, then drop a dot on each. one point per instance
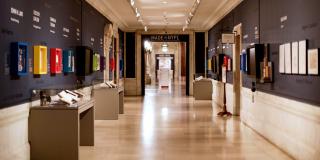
(168, 126)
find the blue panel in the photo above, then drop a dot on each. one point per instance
(19, 59)
(68, 61)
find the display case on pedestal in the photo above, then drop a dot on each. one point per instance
(40, 60)
(19, 59)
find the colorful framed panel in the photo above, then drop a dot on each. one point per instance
(40, 60)
(19, 59)
(68, 61)
(55, 60)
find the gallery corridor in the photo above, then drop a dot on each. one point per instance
(170, 126)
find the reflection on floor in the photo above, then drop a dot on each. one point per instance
(165, 125)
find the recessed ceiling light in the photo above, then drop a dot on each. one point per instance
(164, 2)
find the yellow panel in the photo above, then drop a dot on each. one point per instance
(40, 59)
(209, 65)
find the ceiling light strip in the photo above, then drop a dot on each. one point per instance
(137, 12)
(191, 14)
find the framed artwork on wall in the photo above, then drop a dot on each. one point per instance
(288, 58)
(313, 61)
(40, 64)
(281, 59)
(295, 57)
(19, 59)
(303, 57)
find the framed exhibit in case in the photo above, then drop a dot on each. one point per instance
(313, 61)
(288, 58)
(19, 59)
(295, 57)
(84, 58)
(96, 62)
(281, 59)
(303, 57)
(55, 60)
(255, 55)
(40, 60)
(243, 61)
(68, 61)
(102, 63)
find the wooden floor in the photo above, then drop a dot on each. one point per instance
(167, 126)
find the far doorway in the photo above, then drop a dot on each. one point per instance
(164, 67)
(165, 63)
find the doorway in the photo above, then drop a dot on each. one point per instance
(237, 78)
(165, 62)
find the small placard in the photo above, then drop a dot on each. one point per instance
(228, 38)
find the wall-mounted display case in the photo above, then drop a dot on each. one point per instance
(102, 63)
(243, 61)
(40, 60)
(68, 61)
(55, 60)
(96, 62)
(217, 62)
(255, 54)
(19, 59)
(84, 58)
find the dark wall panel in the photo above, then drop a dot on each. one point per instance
(130, 62)
(303, 23)
(261, 23)
(66, 35)
(93, 24)
(200, 52)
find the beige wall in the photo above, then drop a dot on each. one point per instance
(291, 125)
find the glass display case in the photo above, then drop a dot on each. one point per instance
(84, 58)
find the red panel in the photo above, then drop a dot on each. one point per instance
(111, 64)
(55, 60)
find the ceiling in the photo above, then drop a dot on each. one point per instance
(164, 14)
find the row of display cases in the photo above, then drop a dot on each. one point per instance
(60, 60)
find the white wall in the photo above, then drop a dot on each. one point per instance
(14, 143)
(291, 125)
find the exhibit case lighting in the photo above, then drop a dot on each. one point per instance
(55, 60)
(96, 62)
(40, 60)
(19, 59)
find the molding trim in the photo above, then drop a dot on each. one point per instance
(109, 13)
(222, 10)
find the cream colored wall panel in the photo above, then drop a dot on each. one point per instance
(229, 97)
(293, 126)
(14, 133)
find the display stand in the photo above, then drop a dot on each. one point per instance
(224, 112)
(56, 131)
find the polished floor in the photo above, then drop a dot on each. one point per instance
(164, 125)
